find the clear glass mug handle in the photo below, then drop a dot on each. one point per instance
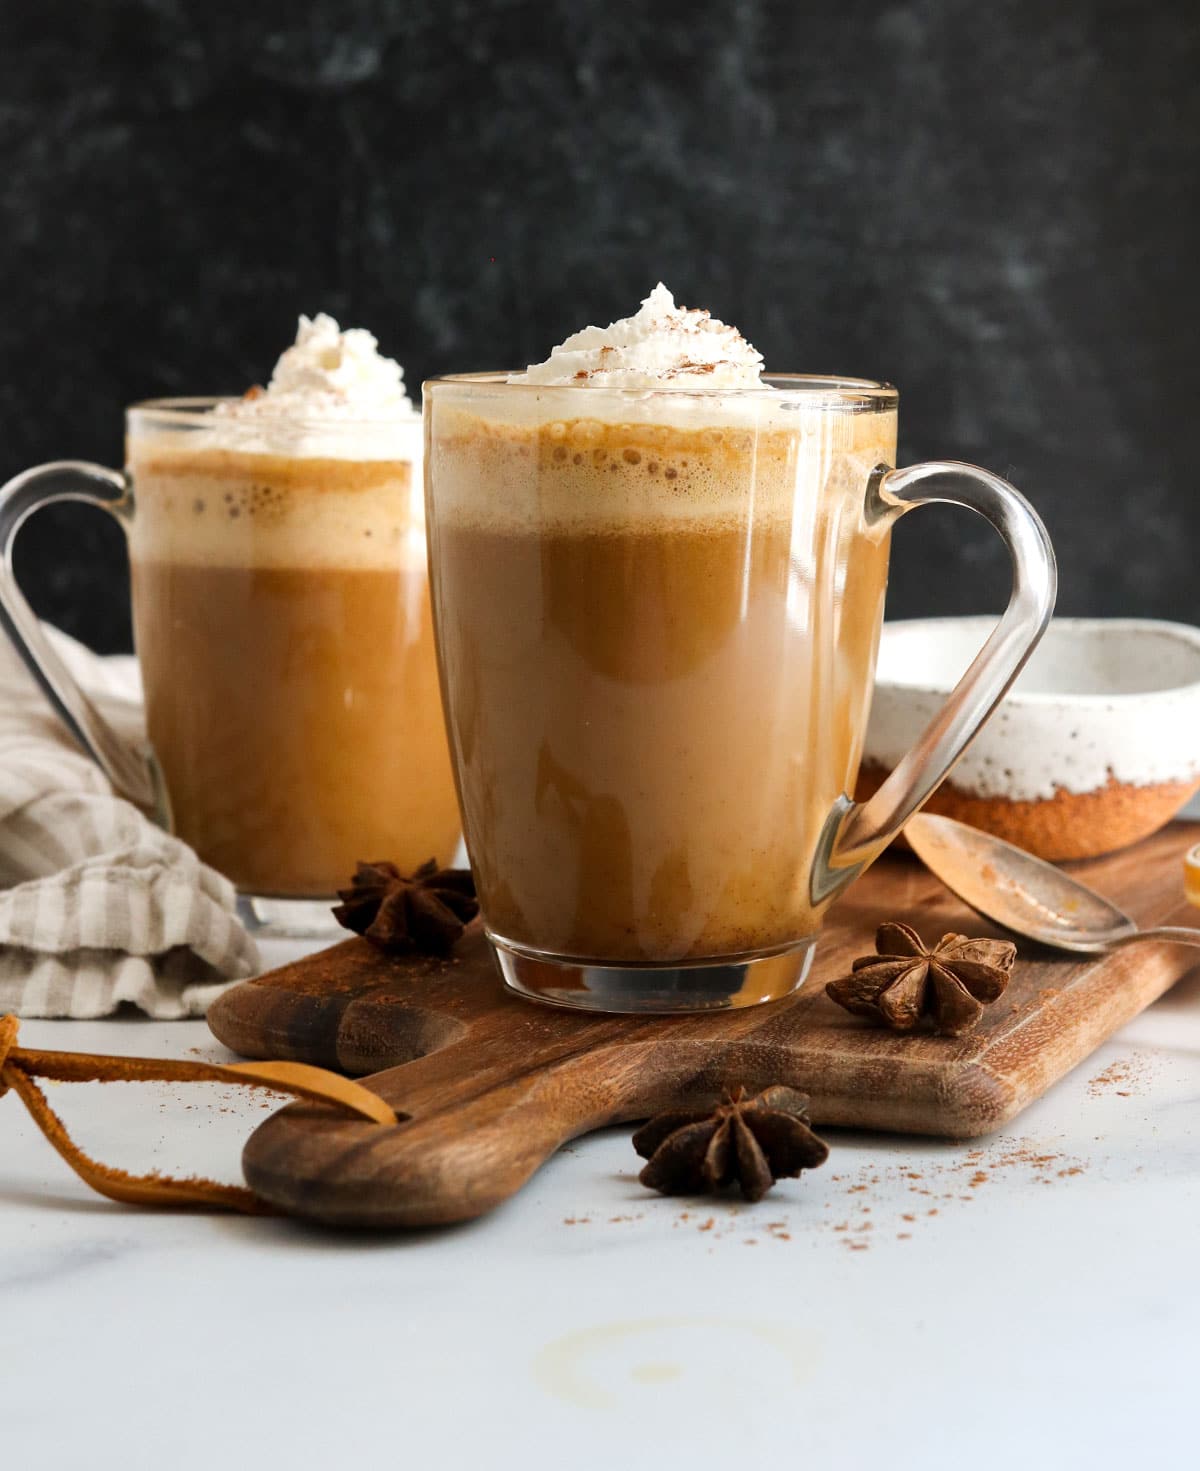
(132, 770)
(856, 833)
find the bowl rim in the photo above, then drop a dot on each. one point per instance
(1080, 628)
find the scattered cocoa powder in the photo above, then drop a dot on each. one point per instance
(1125, 1077)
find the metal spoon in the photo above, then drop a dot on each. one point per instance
(1026, 894)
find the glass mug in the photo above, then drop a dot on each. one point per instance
(282, 625)
(656, 617)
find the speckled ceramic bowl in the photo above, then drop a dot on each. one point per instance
(1096, 746)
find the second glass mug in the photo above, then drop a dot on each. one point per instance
(282, 625)
(657, 616)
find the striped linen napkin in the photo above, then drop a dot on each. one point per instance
(98, 906)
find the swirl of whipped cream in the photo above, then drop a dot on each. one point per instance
(328, 373)
(325, 385)
(661, 346)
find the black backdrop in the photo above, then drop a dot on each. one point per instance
(992, 206)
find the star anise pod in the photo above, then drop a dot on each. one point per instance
(425, 911)
(754, 1141)
(904, 981)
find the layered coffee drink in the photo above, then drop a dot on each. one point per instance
(282, 622)
(658, 587)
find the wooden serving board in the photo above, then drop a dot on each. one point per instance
(489, 1085)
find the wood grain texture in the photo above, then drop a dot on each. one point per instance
(490, 1085)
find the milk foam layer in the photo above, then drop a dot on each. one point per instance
(660, 346)
(589, 473)
(332, 394)
(225, 508)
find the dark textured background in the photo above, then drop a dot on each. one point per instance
(992, 206)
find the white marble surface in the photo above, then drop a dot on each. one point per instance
(1035, 1300)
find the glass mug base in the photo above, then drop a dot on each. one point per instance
(655, 990)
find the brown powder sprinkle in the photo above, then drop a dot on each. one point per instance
(875, 1217)
(1124, 1078)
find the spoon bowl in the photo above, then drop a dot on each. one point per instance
(1026, 894)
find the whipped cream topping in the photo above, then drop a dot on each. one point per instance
(662, 346)
(332, 393)
(328, 373)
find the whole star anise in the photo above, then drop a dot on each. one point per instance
(905, 981)
(425, 911)
(754, 1141)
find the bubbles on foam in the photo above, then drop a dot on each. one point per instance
(623, 476)
(657, 457)
(221, 509)
(631, 475)
(269, 504)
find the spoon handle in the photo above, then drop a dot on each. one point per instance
(1176, 934)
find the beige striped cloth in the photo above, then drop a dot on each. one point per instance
(97, 905)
